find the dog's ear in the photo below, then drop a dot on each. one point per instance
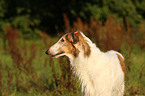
(75, 37)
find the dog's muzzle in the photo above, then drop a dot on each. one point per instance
(53, 55)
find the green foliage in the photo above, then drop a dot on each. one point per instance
(42, 83)
(2, 8)
(41, 67)
(136, 71)
(99, 13)
(121, 8)
(25, 25)
(26, 70)
(47, 17)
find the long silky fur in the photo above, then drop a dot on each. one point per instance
(100, 73)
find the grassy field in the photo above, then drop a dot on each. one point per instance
(25, 69)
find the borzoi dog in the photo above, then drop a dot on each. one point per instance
(100, 74)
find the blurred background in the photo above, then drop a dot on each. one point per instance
(29, 27)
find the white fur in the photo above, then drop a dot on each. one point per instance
(100, 74)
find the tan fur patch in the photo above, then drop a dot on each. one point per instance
(86, 48)
(82, 42)
(70, 47)
(122, 64)
(76, 38)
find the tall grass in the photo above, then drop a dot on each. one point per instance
(26, 70)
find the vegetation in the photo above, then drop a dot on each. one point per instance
(28, 28)
(47, 15)
(26, 70)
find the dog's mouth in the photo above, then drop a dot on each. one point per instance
(58, 54)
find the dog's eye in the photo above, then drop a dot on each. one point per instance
(62, 40)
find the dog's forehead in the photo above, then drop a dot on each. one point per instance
(68, 37)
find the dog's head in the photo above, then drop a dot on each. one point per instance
(71, 45)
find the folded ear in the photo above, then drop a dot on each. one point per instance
(75, 37)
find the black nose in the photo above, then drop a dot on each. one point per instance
(46, 52)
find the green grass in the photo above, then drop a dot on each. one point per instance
(40, 67)
(135, 79)
(41, 81)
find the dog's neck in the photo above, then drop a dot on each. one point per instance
(81, 58)
(95, 51)
(80, 69)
